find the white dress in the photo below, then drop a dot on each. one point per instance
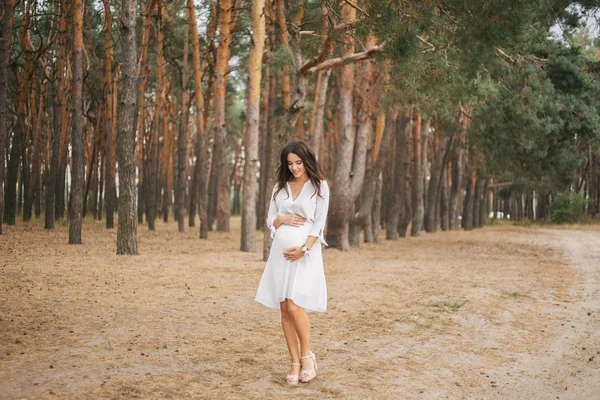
(302, 281)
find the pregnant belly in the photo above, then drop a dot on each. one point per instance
(291, 236)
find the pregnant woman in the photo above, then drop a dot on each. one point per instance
(294, 280)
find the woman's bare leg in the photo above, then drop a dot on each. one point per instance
(302, 326)
(291, 338)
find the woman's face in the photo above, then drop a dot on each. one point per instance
(295, 165)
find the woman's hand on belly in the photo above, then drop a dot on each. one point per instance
(293, 254)
(290, 220)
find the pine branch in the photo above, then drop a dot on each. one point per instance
(336, 62)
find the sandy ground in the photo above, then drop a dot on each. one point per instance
(500, 313)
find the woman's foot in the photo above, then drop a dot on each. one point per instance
(309, 368)
(293, 375)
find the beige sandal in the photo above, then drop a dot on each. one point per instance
(292, 379)
(307, 375)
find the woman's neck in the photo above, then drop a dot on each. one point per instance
(301, 179)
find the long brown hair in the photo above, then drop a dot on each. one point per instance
(312, 167)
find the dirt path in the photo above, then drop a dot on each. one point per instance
(569, 366)
(500, 313)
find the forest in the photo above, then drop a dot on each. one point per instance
(426, 115)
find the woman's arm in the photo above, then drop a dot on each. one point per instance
(274, 220)
(320, 217)
(272, 216)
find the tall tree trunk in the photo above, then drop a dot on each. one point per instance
(406, 205)
(469, 201)
(220, 152)
(269, 168)
(140, 116)
(59, 211)
(264, 132)
(425, 166)
(417, 176)
(23, 128)
(37, 152)
(6, 19)
(248, 239)
(57, 87)
(376, 211)
(198, 192)
(157, 121)
(437, 166)
(10, 194)
(100, 191)
(380, 152)
(108, 120)
(77, 159)
(484, 209)
(351, 152)
(477, 198)
(457, 175)
(182, 138)
(316, 126)
(445, 200)
(285, 43)
(127, 229)
(397, 173)
(90, 180)
(167, 162)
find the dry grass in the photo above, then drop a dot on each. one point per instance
(415, 318)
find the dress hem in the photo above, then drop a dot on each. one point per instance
(270, 305)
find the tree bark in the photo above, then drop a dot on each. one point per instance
(157, 122)
(166, 157)
(127, 229)
(108, 120)
(100, 191)
(484, 209)
(468, 211)
(77, 159)
(139, 118)
(248, 239)
(36, 167)
(417, 177)
(397, 174)
(6, 19)
(267, 113)
(220, 153)
(351, 152)
(12, 172)
(182, 138)
(59, 212)
(198, 195)
(435, 177)
(316, 130)
(399, 186)
(269, 168)
(363, 217)
(23, 130)
(90, 176)
(457, 175)
(477, 198)
(285, 43)
(406, 205)
(445, 198)
(376, 211)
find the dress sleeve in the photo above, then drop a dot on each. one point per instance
(321, 213)
(272, 214)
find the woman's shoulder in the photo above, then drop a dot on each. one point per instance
(323, 188)
(324, 185)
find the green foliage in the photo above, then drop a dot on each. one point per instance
(280, 58)
(568, 208)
